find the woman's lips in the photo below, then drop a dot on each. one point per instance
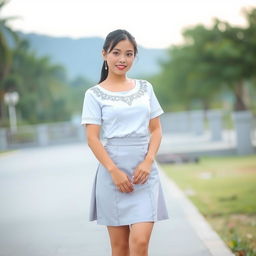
(121, 67)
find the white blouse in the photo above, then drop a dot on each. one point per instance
(121, 114)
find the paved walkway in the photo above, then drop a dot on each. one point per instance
(44, 194)
(198, 145)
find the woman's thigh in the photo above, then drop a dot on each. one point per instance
(119, 235)
(141, 232)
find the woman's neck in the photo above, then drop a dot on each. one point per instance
(114, 79)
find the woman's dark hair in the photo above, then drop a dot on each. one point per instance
(112, 39)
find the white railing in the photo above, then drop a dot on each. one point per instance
(41, 135)
(185, 122)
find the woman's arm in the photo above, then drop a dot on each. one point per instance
(93, 140)
(142, 171)
(120, 179)
(155, 138)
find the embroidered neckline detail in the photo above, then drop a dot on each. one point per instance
(127, 99)
(127, 91)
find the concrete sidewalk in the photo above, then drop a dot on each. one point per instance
(45, 195)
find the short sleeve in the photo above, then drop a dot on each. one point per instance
(91, 112)
(155, 107)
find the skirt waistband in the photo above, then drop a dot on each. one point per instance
(127, 140)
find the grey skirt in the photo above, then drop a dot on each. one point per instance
(145, 203)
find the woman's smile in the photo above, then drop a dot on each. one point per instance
(121, 67)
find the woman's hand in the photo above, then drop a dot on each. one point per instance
(122, 181)
(142, 172)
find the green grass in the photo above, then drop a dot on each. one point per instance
(2, 153)
(224, 190)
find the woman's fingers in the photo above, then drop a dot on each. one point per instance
(142, 176)
(144, 181)
(137, 177)
(125, 187)
(120, 188)
(130, 185)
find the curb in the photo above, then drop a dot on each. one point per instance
(207, 235)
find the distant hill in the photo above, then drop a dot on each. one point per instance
(82, 57)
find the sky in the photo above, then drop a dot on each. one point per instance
(153, 23)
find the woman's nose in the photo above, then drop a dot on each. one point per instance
(122, 58)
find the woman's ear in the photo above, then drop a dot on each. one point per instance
(104, 54)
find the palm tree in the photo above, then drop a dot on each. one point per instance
(6, 33)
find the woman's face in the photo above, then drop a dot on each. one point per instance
(121, 57)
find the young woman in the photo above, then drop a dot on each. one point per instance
(127, 195)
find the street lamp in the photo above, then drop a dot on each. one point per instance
(11, 99)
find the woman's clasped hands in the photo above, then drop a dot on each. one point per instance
(122, 181)
(140, 176)
(142, 172)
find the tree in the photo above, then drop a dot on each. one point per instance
(5, 51)
(210, 60)
(42, 86)
(184, 75)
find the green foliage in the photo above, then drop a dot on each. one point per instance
(78, 87)
(40, 85)
(238, 231)
(209, 62)
(45, 93)
(239, 246)
(5, 51)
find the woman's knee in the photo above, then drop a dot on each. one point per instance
(137, 241)
(120, 248)
(140, 235)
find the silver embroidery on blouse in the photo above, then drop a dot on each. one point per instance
(127, 99)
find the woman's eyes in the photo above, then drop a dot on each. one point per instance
(128, 54)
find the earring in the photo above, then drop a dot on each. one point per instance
(106, 67)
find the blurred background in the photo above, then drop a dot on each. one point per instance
(200, 57)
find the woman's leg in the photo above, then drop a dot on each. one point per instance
(139, 238)
(119, 238)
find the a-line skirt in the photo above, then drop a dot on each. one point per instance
(146, 203)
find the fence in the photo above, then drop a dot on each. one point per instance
(179, 122)
(41, 135)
